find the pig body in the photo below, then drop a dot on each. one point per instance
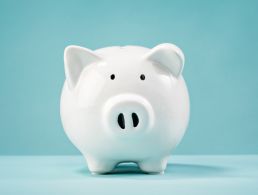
(125, 104)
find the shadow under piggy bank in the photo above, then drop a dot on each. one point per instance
(173, 171)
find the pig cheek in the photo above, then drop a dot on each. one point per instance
(90, 90)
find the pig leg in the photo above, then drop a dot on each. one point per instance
(153, 165)
(99, 166)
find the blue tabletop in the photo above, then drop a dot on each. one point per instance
(184, 175)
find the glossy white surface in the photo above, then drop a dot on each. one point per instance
(97, 108)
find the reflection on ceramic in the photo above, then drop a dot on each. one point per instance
(125, 104)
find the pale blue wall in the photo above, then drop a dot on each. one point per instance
(220, 44)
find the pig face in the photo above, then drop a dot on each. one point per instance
(125, 97)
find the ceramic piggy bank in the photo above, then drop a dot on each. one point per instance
(125, 104)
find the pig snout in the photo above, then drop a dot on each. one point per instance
(121, 120)
(130, 112)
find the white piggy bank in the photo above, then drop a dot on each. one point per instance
(125, 104)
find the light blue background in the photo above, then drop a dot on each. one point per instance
(219, 39)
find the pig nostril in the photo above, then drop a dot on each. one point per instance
(135, 119)
(121, 120)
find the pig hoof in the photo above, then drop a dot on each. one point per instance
(99, 166)
(102, 168)
(153, 166)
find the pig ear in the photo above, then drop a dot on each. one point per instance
(76, 59)
(168, 55)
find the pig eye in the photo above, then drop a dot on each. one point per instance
(142, 77)
(112, 76)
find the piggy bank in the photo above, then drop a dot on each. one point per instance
(125, 104)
